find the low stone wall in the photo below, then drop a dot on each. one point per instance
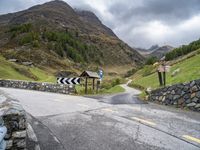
(39, 86)
(185, 95)
(14, 118)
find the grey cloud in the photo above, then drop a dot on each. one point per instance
(130, 19)
(9, 6)
(167, 11)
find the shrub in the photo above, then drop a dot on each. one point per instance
(147, 70)
(36, 43)
(185, 49)
(151, 60)
(130, 73)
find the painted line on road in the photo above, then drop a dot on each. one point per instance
(58, 100)
(83, 105)
(109, 110)
(191, 138)
(144, 121)
(32, 136)
(31, 133)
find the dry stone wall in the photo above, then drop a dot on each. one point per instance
(185, 95)
(39, 86)
(14, 119)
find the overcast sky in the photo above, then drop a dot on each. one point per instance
(140, 23)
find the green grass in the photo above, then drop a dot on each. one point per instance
(42, 75)
(189, 70)
(113, 90)
(9, 70)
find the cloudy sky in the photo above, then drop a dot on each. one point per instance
(140, 23)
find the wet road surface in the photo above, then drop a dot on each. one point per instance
(118, 122)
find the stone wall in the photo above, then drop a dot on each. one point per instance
(39, 86)
(185, 95)
(14, 118)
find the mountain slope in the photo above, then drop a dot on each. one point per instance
(155, 51)
(184, 69)
(54, 35)
(161, 51)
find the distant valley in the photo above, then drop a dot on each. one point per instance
(155, 50)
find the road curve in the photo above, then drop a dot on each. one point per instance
(107, 122)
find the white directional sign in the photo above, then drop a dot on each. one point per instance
(70, 81)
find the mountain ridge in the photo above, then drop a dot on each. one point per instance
(57, 31)
(155, 50)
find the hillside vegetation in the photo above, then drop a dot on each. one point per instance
(188, 65)
(9, 70)
(55, 36)
(183, 50)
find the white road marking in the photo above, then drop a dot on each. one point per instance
(109, 110)
(37, 147)
(191, 138)
(55, 138)
(58, 100)
(31, 133)
(83, 105)
(144, 121)
(32, 136)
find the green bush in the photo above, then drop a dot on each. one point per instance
(147, 70)
(115, 82)
(183, 50)
(30, 37)
(151, 60)
(130, 73)
(24, 28)
(26, 39)
(36, 43)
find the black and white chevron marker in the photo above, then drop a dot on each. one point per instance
(61, 80)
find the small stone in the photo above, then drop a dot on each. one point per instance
(193, 95)
(186, 96)
(176, 97)
(182, 93)
(195, 99)
(160, 98)
(20, 143)
(19, 134)
(197, 106)
(194, 88)
(22, 123)
(9, 144)
(192, 83)
(198, 94)
(173, 92)
(163, 99)
(185, 89)
(180, 101)
(170, 97)
(191, 104)
(188, 101)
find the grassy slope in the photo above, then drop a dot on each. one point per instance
(9, 70)
(189, 70)
(113, 90)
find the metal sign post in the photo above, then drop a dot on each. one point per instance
(162, 69)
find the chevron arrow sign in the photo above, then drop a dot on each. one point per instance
(71, 81)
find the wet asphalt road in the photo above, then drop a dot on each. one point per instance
(118, 122)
